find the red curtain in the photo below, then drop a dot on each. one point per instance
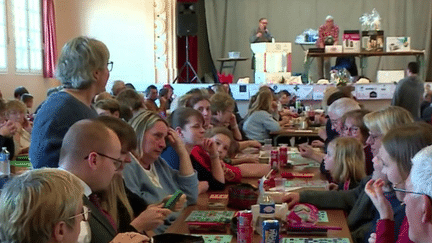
(49, 38)
(181, 53)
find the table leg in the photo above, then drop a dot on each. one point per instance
(221, 66)
(307, 63)
(234, 67)
(420, 62)
(363, 64)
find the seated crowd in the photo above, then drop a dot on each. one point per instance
(105, 163)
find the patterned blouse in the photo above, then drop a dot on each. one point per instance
(323, 33)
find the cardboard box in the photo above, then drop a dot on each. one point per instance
(374, 91)
(333, 49)
(395, 44)
(372, 41)
(351, 41)
(390, 76)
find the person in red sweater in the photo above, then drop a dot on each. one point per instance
(398, 147)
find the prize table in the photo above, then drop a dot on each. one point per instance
(335, 217)
(419, 55)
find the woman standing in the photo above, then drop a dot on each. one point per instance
(328, 34)
(83, 69)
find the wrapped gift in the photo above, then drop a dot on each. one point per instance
(372, 41)
(398, 44)
(351, 41)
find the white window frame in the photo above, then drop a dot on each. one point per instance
(31, 46)
(3, 7)
(30, 50)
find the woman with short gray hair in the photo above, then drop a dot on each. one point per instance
(83, 69)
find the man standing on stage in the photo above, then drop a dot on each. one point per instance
(260, 34)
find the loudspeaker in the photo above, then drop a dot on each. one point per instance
(187, 19)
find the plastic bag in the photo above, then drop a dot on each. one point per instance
(370, 21)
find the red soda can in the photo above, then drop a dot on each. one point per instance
(274, 159)
(244, 227)
(283, 156)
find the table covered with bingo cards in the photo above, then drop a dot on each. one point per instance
(212, 223)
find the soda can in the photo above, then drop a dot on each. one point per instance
(270, 231)
(245, 218)
(283, 156)
(244, 227)
(245, 235)
(274, 159)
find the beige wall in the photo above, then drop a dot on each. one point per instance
(126, 27)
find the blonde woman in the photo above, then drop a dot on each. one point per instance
(16, 112)
(381, 121)
(42, 205)
(259, 122)
(149, 176)
(346, 162)
(128, 210)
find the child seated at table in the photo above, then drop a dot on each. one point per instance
(346, 163)
(228, 148)
(189, 125)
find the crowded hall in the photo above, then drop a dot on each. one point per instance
(216, 121)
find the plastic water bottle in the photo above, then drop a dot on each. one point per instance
(4, 162)
(266, 211)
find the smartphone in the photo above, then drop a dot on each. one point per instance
(173, 200)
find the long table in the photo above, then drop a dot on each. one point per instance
(291, 132)
(336, 217)
(419, 55)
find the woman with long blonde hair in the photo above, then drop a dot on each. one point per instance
(259, 121)
(346, 162)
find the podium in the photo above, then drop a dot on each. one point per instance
(272, 62)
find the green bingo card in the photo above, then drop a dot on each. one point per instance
(210, 216)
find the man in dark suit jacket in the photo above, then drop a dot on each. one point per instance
(90, 151)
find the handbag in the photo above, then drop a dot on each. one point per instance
(242, 196)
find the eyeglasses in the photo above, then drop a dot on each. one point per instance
(110, 66)
(117, 162)
(85, 214)
(406, 191)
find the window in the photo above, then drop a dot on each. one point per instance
(21, 36)
(3, 38)
(28, 35)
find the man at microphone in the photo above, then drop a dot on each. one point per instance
(261, 34)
